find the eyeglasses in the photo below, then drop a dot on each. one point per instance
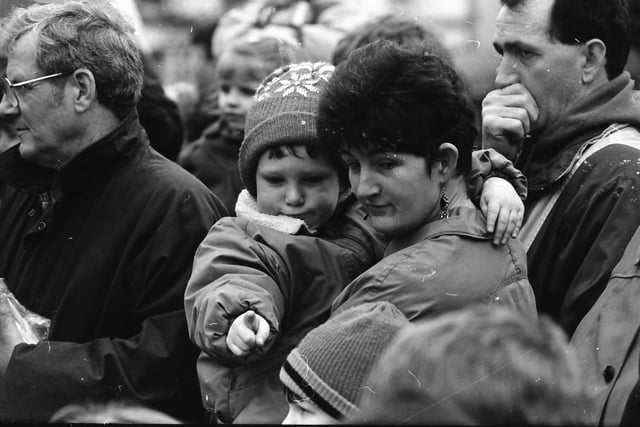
(10, 93)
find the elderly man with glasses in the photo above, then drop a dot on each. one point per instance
(97, 230)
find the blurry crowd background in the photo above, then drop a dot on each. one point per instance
(178, 33)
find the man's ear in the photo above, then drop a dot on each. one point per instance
(595, 52)
(84, 85)
(448, 160)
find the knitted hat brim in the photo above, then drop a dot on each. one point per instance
(285, 128)
(297, 375)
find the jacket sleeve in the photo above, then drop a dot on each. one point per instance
(489, 163)
(155, 366)
(233, 273)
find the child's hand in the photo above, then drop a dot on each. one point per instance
(503, 209)
(249, 330)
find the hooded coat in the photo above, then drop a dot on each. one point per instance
(274, 266)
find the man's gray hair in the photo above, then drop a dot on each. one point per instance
(82, 34)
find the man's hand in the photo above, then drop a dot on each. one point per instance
(503, 209)
(508, 115)
(249, 330)
(9, 334)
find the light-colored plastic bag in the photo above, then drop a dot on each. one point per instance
(32, 327)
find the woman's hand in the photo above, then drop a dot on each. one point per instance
(503, 209)
(249, 330)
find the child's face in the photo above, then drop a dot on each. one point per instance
(298, 186)
(234, 99)
(238, 82)
(307, 412)
(304, 411)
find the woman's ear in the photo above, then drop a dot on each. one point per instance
(448, 160)
(595, 53)
(84, 85)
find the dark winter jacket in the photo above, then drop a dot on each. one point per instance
(586, 231)
(106, 255)
(213, 159)
(274, 266)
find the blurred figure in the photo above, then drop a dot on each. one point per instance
(325, 376)
(159, 115)
(477, 366)
(400, 29)
(240, 69)
(115, 412)
(633, 62)
(315, 25)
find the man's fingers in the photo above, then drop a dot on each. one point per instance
(513, 101)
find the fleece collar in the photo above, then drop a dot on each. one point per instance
(247, 208)
(548, 156)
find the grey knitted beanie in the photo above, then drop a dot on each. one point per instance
(331, 364)
(284, 112)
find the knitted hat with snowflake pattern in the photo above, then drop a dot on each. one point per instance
(331, 364)
(285, 112)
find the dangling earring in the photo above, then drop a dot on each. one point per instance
(444, 202)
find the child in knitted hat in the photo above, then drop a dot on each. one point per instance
(239, 70)
(326, 375)
(263, 279)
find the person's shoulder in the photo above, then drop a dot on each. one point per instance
(162, 178)
(618, 156)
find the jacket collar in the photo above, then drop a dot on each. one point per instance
(83, 170)
(462, 221)
(548, 156)
(247, 208)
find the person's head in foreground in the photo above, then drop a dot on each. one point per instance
(482, 365)
(325, 376)
(404, 124)
(560, 51)
(283, 165)
(114, 412)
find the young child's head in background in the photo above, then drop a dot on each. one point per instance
(482, 365)
(326, 375)
(404, 30)
(282, 163)
(241, 67)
